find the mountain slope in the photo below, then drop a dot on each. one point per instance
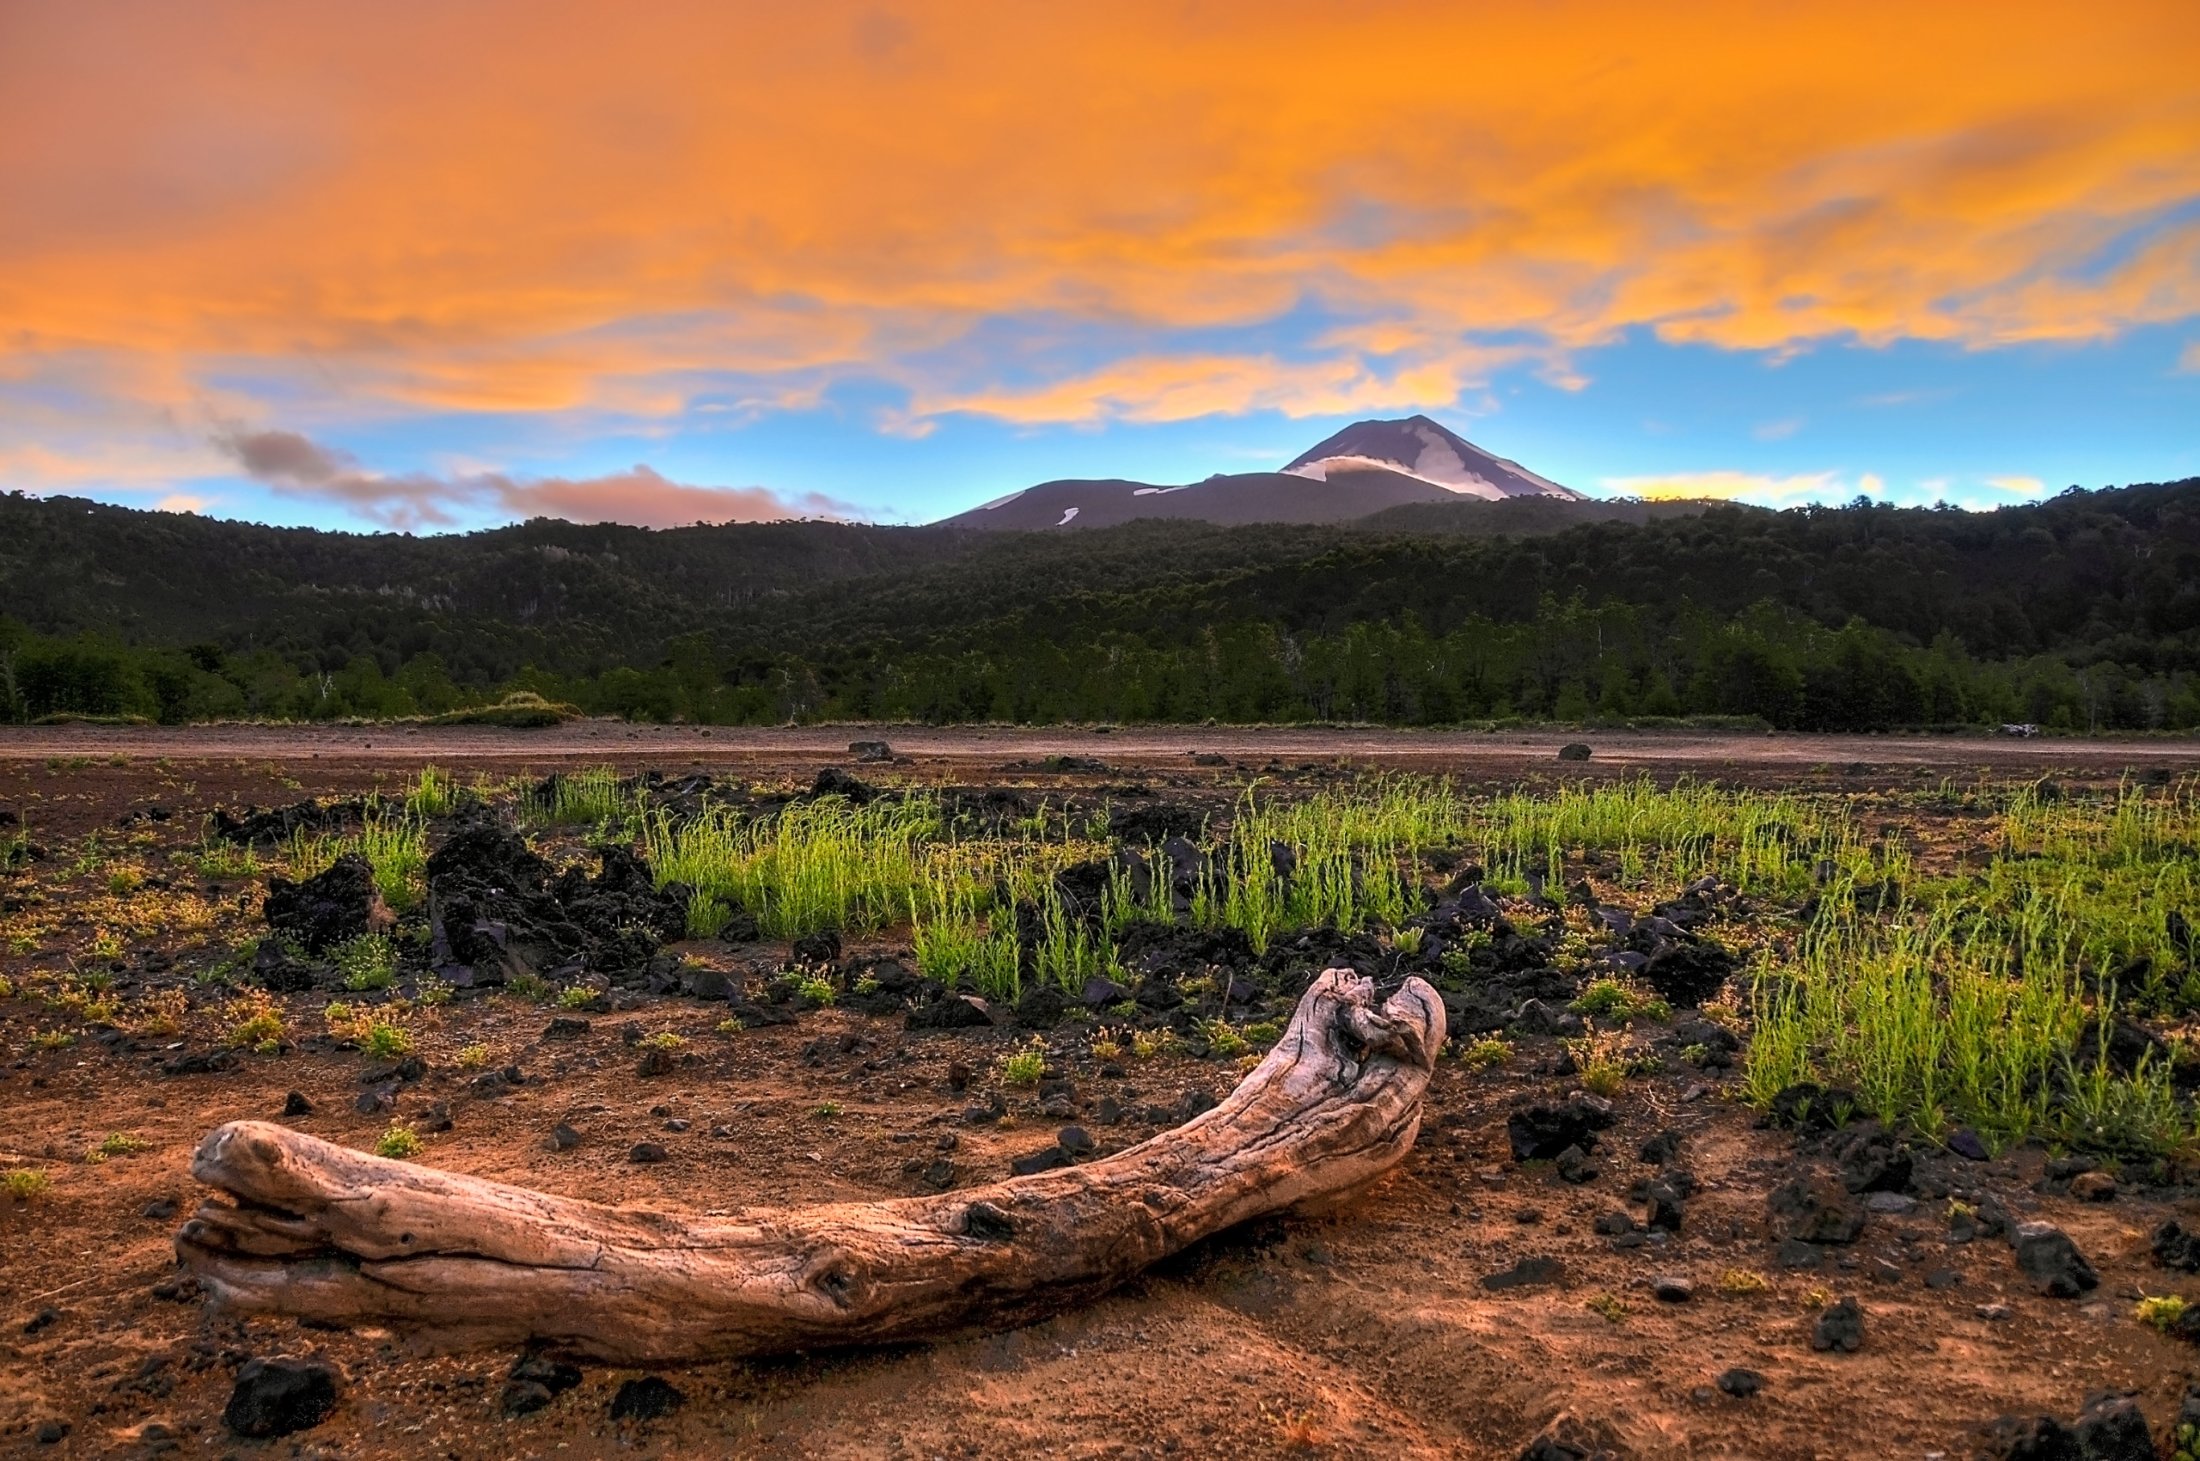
(1428, 451)
(1369, 467)
(1234, 500)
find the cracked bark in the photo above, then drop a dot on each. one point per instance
(305, 1228)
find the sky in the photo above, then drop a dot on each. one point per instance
(435, 266)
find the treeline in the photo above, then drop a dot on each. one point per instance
(2080, 613)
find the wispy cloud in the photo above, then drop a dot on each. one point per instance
(2190, 359)
(1778, 430)
(297, 465)
(2018, 486)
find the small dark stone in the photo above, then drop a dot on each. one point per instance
(1807, 1106)
(647, 1151)
(295, 1104)
(1796, 1254)
(1541, 1131)
(1573, 751)
(563, 1138)
(2027, 1438)
(1943, 1278)
(1839, 1329)
(1046, 1159)
(525, 1397)
(656, 1060)
(553, 1375)
(1968, 1145)
(2047, 1257)
(159, 1210)
(565, 1027)
(2112, 1428)
(1816, 1212)
(1874, 1161)
(1664, 1202)
(648, 1398)
(51, 1432)
(436, 1119)
(1076, 1141)
(1741, 1383)
(1614, 1224)
(2176, 1248)
(1528, 1271)
(1574, 1166)
(41, 1321)
(274, 1397)
(1670, 1288)
(1660, 1149)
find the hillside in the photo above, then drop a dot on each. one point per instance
(2081, 611)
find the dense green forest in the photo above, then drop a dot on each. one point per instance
(2082, 612)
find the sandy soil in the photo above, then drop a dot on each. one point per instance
(1366, 1333)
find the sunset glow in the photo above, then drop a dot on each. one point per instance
(486, 260)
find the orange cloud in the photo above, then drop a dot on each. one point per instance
(515, 207)
(298, 466)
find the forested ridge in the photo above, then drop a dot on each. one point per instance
(2080, 612)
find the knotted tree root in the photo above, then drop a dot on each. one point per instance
(332, 1235)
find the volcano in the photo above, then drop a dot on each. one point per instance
(1369, 467)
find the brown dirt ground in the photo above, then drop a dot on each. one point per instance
(1363, 1333)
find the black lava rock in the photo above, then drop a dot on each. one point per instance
(953, 1012)
(1664, 1202)
(2112, 1428)
(2047, 1256)
(1541, 1131)
(1816, 1211)
(1874, 1161)
(1526, 1273)
(1839, 1329)
(535, 1381)
(1740, 1383)
(274, 1397)
(332, 907)
(1808, 1106)
(2027, 1438)
(1046, 1159)
(648, 1398)
(2176, 1248)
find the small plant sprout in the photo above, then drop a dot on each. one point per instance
(826, 1110)
(399, 1143)
(1408, 941)
(116, 1144)
(1609, 1306)
(1485, 1053)
(1104, 1044)
(1146, 1044)
(1223, 1041)
(576, 997)
(255, 1023)
(473, 1057)
(1026, 1066)
(2160, 1312)
(816, 989)
(1738, 1283)
(21, 1184)
(664, 1040)
(730, 1026)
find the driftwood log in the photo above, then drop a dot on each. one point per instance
(305, 1228)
